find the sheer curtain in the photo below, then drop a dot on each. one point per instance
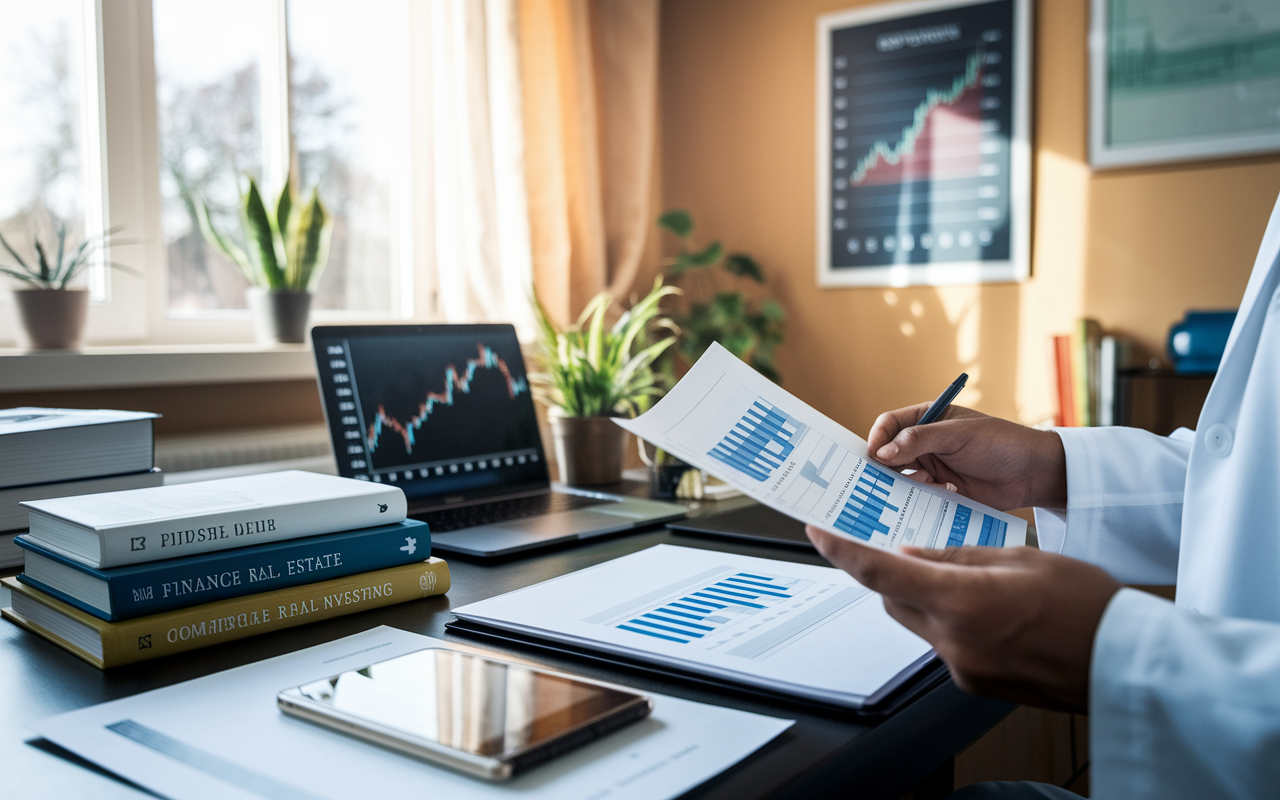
(590, 71)
(481, 217)
(544, 125)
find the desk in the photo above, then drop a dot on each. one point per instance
(821, 756)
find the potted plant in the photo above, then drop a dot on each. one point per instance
(590, 373)
(716, 310)
(287, 251)
(52, 311)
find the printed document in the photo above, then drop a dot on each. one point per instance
(729, 420)
(221, 737)
(802, 630)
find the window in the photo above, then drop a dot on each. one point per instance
(327, 99)
(136, 110)
(47, 140)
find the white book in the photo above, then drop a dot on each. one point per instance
(729, 420)
(13, 516)
(806, 631)
(45, 445)
(141, 525)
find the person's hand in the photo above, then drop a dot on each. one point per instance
(1016, 623)
(993, 461)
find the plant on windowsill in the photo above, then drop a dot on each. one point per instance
(287, 251)
(589, 374)
(53, 312)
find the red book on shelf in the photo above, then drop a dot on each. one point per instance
(1067, 416)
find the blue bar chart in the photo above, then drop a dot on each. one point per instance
(760, 441)
(867, 502)
(707, 609)
(959, 525)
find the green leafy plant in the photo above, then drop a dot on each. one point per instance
(590, 370)
(60, 270)
(751, 331)
(287, 248)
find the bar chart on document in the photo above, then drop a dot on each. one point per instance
(815, 477)
(744, 614)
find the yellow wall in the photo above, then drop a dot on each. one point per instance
(1133, 248)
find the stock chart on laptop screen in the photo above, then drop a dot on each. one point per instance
(434, 411)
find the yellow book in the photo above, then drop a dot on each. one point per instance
(110, 644)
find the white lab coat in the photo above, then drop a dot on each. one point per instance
(1185, 698)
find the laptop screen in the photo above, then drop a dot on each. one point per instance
(438, 410)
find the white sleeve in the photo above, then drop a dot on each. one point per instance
(1183, 705)
(1124, 502)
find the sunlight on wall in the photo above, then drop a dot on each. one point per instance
(1054, 297)
(963, 307)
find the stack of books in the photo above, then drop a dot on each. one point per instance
(126, 576)
(59, 452)
(1087, 366)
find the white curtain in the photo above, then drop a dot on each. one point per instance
(481, 216)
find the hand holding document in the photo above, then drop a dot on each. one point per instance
(727, 419)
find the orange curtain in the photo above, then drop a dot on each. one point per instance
(589, 74)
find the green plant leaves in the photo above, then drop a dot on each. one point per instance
(287, 248)
(744, 266)
(678, 221)
(589, 370)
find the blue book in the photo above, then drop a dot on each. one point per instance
(142, 589)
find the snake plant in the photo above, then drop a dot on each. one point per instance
(287, 248)
(590, 370)
(56, 272)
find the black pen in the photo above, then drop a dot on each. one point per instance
(940, 405)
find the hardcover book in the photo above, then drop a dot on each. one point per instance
(110, 644)
(152, 588)
(44, 445)
(14, 517)
(143, 525)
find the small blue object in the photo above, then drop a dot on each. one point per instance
(1196, 344)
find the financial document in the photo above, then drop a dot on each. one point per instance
(729, 420)
(221, 736)
(802, 630)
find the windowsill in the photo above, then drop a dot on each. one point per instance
(152, 365)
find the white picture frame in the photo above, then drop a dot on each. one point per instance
(1185, 121)
(982, 198)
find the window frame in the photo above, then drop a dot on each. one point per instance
(137, 310)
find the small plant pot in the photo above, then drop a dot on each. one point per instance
(279, 317)
(53, 318)
(588, 449)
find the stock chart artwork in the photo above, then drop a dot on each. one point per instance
(455, 382)
(920, 136)
(451, 408)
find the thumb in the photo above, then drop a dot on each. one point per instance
(919, 440)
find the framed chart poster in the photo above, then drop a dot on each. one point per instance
(923, 155)
(1173, 81)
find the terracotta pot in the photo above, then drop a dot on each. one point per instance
(588, 449)
(53, 318)
(279, 316)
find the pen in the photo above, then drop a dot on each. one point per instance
(940, 405)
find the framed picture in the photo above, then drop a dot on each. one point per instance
(924, 165)
(1179, 81)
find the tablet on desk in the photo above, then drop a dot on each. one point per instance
(755, 523)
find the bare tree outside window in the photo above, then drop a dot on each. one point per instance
(41, 179)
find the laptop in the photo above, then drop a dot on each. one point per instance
(444, 412)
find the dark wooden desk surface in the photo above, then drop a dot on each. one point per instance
(821, 756)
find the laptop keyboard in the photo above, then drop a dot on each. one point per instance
(452, 519)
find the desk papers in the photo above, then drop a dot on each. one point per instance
(801, 630)
(729, 420)
(222, 737)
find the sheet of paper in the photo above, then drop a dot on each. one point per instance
(810, 631)
(221, 737)
(729, 420)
